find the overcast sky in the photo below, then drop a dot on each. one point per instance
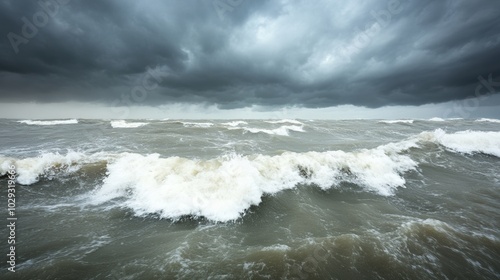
(250, 55)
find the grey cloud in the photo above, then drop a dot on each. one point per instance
(271, 53)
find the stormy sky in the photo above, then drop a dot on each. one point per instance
(230, 54)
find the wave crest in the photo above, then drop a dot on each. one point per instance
(199, 125)
(234, 123)
(488, 120)
(282, 130)
(124, 124)
(222, 189)
(29, 170)
(396, 121)
(289, 121)
(53, 122)
(467, 142)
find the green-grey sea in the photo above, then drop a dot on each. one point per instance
(252, 199)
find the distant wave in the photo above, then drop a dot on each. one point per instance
(467, 142)
(223, 188)
(234, 123)
(285, 121)
(437, 120)
(488, 120)
(124, 124)
(199, 125)
(282, 130)
(53, 122)
(396, 121)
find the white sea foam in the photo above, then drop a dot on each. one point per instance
(467, 142)
(234, 123)
(277, 247)
(285, 121)
(53, 122)
(488, 120)
(222, 189)
(437, 120)
(396, 121)
(199, 125)
(124, 124)
(29, 170)
(282, 130)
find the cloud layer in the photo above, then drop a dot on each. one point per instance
(238, 53)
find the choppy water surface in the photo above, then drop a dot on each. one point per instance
(253, 199)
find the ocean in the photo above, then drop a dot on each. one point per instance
(251, 199)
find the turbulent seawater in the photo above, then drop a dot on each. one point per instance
(253, 199)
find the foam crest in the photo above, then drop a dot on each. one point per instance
(234, 123)
(468, 142)
(488, 120)
(124, 124)
(199, 125)
(222, 189)
(29, 170)
(396, 121)
(282, 130)
(53, 122)
(289, 121)
(437, 120)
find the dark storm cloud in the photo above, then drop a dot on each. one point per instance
(236, 53)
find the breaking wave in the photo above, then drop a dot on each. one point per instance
(234, 123)
(285, 121)
(124, 124)
(199, 125)
(282, 130)
(488, 120)
(223, 188)
(53, 122)
(467, 142)
(31, 170)
(437, 120)
(396, 121)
